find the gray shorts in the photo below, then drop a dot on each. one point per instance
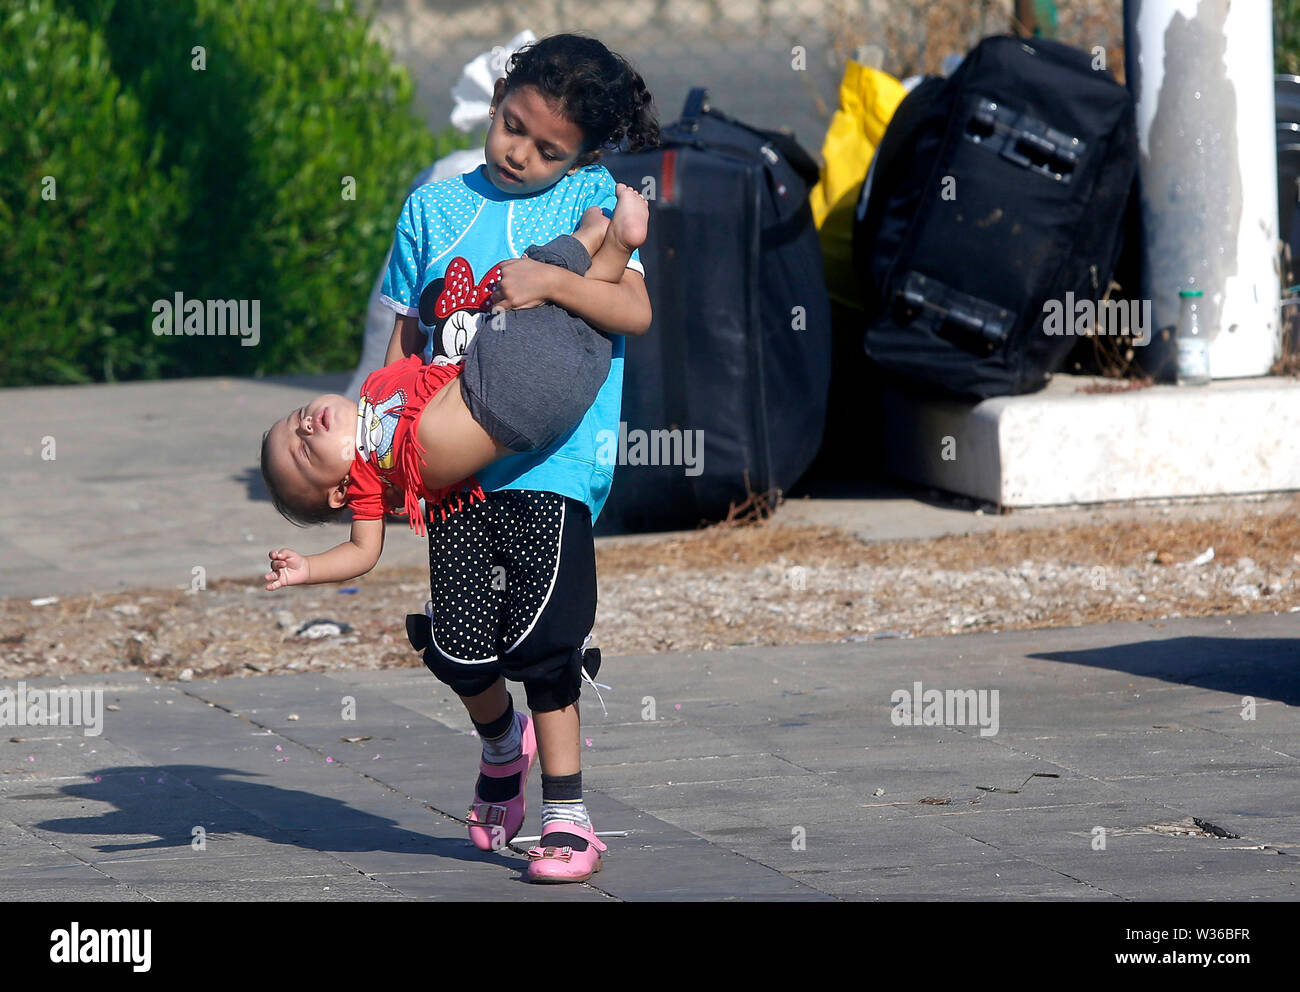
(530, 377)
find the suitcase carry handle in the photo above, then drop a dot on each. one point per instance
(1024, 141)
(697, 105)
(967, 321)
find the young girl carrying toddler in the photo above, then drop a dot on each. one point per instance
(512, 574)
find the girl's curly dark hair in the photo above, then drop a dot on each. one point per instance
(595, 88)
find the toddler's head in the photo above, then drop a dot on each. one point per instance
(306, 458)
(564, 99)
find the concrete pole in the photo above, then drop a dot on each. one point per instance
(1201, 73)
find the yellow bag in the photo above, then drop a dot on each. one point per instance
(868, 99)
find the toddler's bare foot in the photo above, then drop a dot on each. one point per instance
(591, 232)
(631, 219)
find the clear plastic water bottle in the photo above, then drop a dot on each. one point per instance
(1193, 341)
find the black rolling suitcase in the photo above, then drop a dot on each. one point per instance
(1286, 90)
(738, 353)
(993, 192)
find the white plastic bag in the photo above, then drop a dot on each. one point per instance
(473, 91)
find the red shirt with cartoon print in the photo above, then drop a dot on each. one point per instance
(388, 454)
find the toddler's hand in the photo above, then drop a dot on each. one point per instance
(288, 568)
(524, 283)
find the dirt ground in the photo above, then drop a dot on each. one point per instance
(766, 583)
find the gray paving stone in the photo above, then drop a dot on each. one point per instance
(1067, 831)
(841, 845)
(972, 760)
(23, 849)
(691, 870)
(987, 875)
(793, 793)
(1268, 791)
(816, 735)
(669, 737)
(380, 852)
(506, 886)
(89, 833)
(1004, 880)
(1141, 724)
(352, 887)
(210, 866)
(1264, 805)
(62, 888)
(721, 768)
(1275, 832)
(1213, 872)
(1109, 755)
(31, 762)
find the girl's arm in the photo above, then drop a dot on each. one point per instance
(407, 339)
(355, 556)
(621, 307)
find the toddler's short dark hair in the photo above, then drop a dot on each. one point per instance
(296, 513)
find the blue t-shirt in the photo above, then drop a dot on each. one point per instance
(468, 216)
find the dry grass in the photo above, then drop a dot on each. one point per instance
(704, 590)
(916, 37)
(1270, 540)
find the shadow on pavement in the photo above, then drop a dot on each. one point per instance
(1268, 667)
(152, 801)
(251, 479)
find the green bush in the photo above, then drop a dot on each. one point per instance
(292, 98)
(1286, 36)
(84, 252)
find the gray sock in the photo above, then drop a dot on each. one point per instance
(506, 748)
(562, 803)
(566, 811)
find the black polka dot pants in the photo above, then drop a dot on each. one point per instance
(513, 584)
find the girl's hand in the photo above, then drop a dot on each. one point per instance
(524, 283)
(288, 568)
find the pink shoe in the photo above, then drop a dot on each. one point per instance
(564, 864)
(501, 821)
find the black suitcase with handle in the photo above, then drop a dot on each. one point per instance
(737, 358)
(993, 192)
